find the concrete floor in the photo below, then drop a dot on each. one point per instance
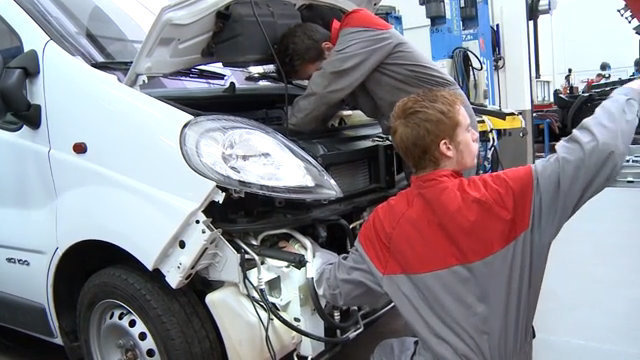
(17, 346)
(589, 308)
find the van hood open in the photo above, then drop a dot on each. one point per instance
(183, 31)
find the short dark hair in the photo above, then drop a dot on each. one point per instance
(322, 15)
(301, 44)
(419, 122)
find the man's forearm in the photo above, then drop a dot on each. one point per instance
(585, 161)
(358, 52)
(306, 117)
(349, 280)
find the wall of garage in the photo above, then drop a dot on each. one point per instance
(414, 22)
(580, 34)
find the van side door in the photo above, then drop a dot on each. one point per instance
(27, 193)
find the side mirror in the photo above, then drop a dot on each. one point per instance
(13, 92)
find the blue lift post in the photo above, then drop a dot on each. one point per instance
(478, 28)
(466, 23)
(446, 27)
(456, 22)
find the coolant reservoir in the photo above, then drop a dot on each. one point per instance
(242, 333)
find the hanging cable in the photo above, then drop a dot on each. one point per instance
(245, 279)
(310, 273)
(350, 237)
(464, 68)
(499, 92)
(275, 57)
(353, 314)
(265, 303)
(498, 61)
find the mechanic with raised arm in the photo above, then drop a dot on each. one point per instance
(362, 61)
(463, 258)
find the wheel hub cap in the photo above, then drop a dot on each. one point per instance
(117, 333)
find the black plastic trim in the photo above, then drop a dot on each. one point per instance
(13, 81)
(11, 124)
(25, 315)
(18, 51)
(28, 61)
(325, 212)
(496, 113)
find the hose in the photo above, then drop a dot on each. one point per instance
(463, 67)
(351, 239)
(381, 312)
(574, 108)
(337, 340)
(275, 57)
(315, 299)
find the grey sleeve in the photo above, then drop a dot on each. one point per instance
(584, 163)
(358, 52)
(350, 280)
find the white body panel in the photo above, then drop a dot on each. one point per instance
(183, 28)
(27, 199)
(132, 187)
(176, 38)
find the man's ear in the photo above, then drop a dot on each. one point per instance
(446, 148)
(327, 47)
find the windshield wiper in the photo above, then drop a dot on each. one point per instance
(196, 73)
(270, 76)
(112, 64)
(255, 77)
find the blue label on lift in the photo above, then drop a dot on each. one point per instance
(450, 32)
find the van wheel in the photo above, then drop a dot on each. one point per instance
(127, 314)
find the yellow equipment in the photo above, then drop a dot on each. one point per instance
(495, 119)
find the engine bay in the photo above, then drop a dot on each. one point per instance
(274, 298)
(268, 281)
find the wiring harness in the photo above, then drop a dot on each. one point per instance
(257, 294)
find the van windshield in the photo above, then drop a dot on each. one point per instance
(98, 30)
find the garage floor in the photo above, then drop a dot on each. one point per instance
(589, 306)
(16, 346)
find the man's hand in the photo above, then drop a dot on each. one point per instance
(287, 246)
(321, 256)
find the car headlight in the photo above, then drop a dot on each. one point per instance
(243, 154)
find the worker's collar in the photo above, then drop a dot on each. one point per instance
(335, 31)
(435, 176)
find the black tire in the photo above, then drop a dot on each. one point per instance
(122, 310)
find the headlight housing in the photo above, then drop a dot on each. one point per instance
(243, 154)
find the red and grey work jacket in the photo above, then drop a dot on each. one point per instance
(370, 68)
(463, 258)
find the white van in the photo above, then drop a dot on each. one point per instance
(143, 193)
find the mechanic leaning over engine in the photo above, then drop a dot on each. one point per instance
(362, 61)
(463, 258)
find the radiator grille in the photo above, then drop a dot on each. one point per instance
(352, 176)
